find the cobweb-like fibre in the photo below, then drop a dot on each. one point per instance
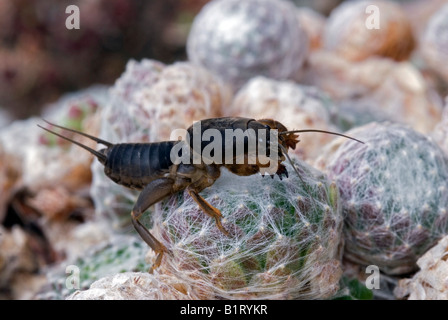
(238, 40)
(284, 240)
(394, 194)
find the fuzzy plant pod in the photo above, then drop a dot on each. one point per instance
(17, 255)
(46, 160)
(440, 132)
(352, 32)
(151, 99)
(295, 106)
(431, 282)
(148, 102)
(284, 237)
(419, 13)
(352, 114)
(116, 255)
(384, 88)
(394, 193)
(313, 24)
(434, 43)
(241, 39)
(135, 286)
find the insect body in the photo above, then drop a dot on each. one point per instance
(150, 167)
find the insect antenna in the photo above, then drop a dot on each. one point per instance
(321, 131)
(99, 155)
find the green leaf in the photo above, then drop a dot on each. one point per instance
(356, 290)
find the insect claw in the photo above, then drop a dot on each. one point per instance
(282, 172)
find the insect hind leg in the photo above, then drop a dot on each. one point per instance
(150, 240)
(154, 192)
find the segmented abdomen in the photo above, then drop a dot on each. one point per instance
(136, 164)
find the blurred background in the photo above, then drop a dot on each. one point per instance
(40, 58)
(45, 198)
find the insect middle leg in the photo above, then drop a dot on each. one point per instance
(208, 209)
(154, 192)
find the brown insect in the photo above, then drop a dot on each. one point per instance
(149, 167)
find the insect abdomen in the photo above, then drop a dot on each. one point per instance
(136, 164)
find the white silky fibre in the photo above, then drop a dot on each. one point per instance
(284, 242)
(394, 193)
(238, 40)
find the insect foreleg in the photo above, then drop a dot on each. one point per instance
(154, 192)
